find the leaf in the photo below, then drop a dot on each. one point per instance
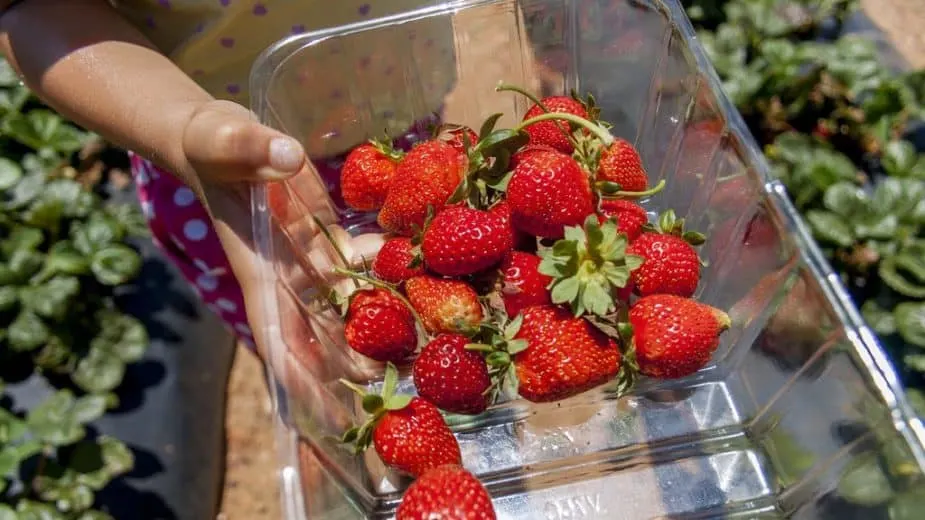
(899, 157)
(98, 371)
(830, 228)
(51, 299)
(54, 421)
(845, 199)
(25, 191)
(12, 428)
(908, 505)
(64, 258)
(95, 463)
(22, 238)
(24, 263)
(115, 264)
(13, 455)
(121, 336)
(910, 322)
(31, 510)
(7, 513)
(864, 483)
(97, 232)
(879, 319)
(904, 273)
(27, 332)
(10, 173)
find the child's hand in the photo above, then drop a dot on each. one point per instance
(224, 144)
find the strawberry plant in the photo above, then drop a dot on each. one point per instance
(63, 252)
(839, 128)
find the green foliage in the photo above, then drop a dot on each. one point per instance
(63, 250)
(836, 124)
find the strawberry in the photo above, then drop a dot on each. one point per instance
(392, 263)
(456, 136)
(461, 241)
(380, 326)
(670, 265)
(620, 164)
(444, 305)
(547, 192)
(588, 266)
(451, 377)
(408, 433)
(673, 336)
(522, 285)
(426, 177)
(446, 493)
(564, 355)
(554, 133)
(278, 202)
(519, 239)
(631, 217)
(367, 175)
(529, 149)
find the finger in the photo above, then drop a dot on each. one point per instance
(225, 144)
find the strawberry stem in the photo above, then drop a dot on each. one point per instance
(382, 285)
(637, 194)
(334, 244)
(503, 87)
(606, 137)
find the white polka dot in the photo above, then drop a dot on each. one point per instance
(243, 329)
(214, 308)
(226, 305)
(207, 282)
(195, 230)
(183, 196)
(142, 177)
(147, 209)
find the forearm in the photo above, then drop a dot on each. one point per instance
(96, 69)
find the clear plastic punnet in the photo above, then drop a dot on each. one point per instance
(798, 395)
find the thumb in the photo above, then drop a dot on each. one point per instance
(224, 143)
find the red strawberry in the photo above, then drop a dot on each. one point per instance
(547, 192)
(529, 149)
(444, 305)
(408, 433)
(380, 326)
(554, 133)
(620, 163)
(367, 175)
(415, 439)
(674, 336)
(278, 202)
(453, 135)
(671, 265)
(631, 217)
(427, 176)
(446, 493)
(564, 356)
(461, 241)
(522, 284)
(451, 377)
(519, 239)
(391, 264)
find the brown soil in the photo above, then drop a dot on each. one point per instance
(251, 485)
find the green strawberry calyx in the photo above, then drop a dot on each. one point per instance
(499, 344)
(668, 223)
(588, 265)
(617, 326)
(385, 147)
(489, 159)
(376, 405)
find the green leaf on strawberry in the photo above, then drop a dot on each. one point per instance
(376, 405)
(588, 265)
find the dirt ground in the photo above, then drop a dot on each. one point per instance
(251, 487)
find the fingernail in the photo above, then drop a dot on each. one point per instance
(285, 155)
